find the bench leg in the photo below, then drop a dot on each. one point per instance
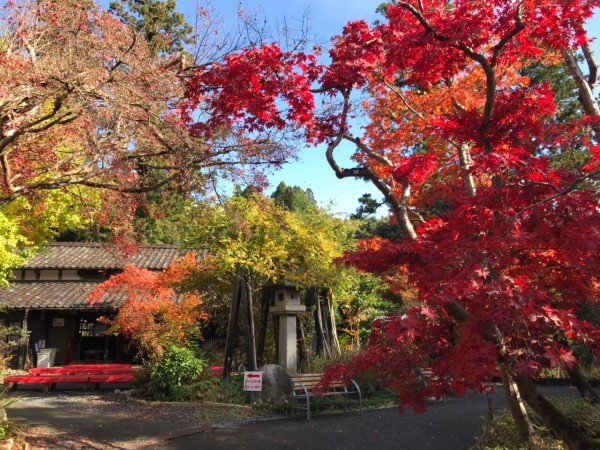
(359, 395)
(293, 404)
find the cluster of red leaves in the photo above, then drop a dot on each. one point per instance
(355, 54)
(154, 313)
(512, 257)
(249, 88)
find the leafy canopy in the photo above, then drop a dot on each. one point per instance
(461, 137)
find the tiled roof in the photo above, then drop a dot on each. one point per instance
(54, 295)
(75, 255)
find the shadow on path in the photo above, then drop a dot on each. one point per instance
(450, 425)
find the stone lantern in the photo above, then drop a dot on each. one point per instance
(286, 306)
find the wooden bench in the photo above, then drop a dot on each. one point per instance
(91, 375)
(303, 384)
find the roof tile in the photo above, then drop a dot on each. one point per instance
(54, 295)
(75, 255)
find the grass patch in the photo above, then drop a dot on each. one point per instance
(590, 371)
(501, 434)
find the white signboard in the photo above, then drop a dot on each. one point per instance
(253, 381)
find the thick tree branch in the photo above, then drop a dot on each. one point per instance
(586, 95)
(487, 66)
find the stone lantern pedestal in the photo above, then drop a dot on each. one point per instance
(287, 307)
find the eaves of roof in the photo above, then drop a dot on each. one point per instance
(55, 295)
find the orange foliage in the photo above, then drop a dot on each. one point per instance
(154, 313)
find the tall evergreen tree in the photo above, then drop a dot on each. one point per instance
(165, 29)
(293, 198)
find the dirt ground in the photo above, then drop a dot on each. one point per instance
(35, 436)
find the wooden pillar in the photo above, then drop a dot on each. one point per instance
(232, 325)
(267, 294)
(249, 322)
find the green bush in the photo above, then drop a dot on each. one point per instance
(216, 389)
(168, 377)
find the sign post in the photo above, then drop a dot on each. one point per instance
(253, 381)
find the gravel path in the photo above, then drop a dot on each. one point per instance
(114, 405)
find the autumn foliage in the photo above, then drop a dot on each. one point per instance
(91, 118)
(155, 314)
(501, 235)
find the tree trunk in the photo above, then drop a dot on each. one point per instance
(323, 347)
(301, 343)
(232, 325)
(572, 435)
(335, 342)
(516, 406)
(582, 384)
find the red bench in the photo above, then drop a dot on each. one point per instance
(90, 374)
(48, 381)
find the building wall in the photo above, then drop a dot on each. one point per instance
(70, 275)
(54, 275)
(49, 275)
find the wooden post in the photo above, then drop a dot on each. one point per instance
(232, 325)
(249, 322)
(267, 294)
(23, 358)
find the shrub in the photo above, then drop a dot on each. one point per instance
(167, 378)
(9, 337)
(214, 389)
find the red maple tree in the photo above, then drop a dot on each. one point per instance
(155, 313)
(451, 119)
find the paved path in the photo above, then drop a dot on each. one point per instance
(450, 425)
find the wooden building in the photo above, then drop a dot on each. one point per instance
(48, 298)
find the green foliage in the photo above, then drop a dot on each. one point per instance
(272, 243)
(367, 207)
(318, 363)
(167, 378)
(590, 312)
(11, 245)
(284, 239)
(165, 29)
(26, 228)
(8, 428)
(294, 198)
(7, 342)
(167, 218)
(590, 371)
(216, 389)
(563, 86)
(382, 227)
(501, 433)
(360, 301)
